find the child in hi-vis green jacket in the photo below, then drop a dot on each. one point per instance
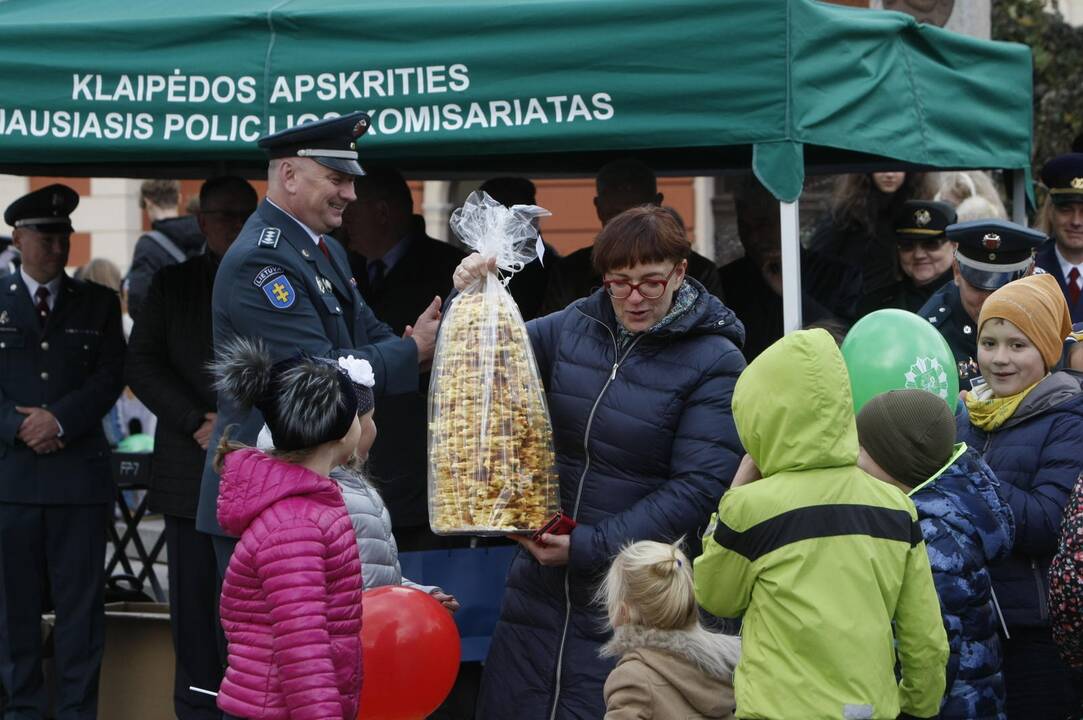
(819, 557)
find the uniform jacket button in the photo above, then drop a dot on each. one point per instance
(45, 376)
(45, 345)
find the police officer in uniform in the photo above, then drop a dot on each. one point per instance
(989, 255)
(61, 369)
(287, 281)
(1062, 218)
(924, 259)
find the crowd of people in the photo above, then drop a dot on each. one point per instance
(746, 543)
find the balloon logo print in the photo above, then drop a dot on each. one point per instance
(927, 374)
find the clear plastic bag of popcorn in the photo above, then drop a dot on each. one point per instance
(491, 462)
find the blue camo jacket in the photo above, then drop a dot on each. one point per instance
(967, 526)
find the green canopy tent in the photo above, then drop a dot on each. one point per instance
(474, 87)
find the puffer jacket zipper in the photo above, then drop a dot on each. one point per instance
(1035, 567)
(618, 360)
(1043, 604)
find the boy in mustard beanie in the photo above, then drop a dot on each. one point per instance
(908, 440)
(1028, 421)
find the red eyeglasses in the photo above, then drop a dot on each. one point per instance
(648, 289)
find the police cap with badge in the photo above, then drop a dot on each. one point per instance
(331, 142)
(1063, 178)
(46, 210)
(992, 253)
(922, 222)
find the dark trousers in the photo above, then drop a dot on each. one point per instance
(193, 608)
(223, 551)
(62, 546)
(1039, 685)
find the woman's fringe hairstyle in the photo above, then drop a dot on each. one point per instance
(650, 584)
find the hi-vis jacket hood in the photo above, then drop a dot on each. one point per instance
(810, 422)
(819, 557)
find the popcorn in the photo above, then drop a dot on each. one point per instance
(492, 468)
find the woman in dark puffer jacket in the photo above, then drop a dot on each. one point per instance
(1028, 425)
(639, 377)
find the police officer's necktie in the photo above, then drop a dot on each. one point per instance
(42, 295)
(377, 270)
(1073, 286)
(323, 248)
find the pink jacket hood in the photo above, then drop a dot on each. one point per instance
(252, 481)
(291, 597)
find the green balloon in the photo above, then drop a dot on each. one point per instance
(896, 349)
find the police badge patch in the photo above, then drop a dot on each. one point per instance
(279, 291)
(266, 273)
(269, 237)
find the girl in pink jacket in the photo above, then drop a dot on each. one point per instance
(291, 598)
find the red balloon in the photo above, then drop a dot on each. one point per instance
(410, 651)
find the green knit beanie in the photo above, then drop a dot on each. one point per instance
(909, 433)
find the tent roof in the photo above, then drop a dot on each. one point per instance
(474, 87)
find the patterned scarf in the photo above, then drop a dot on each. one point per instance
(989, 414)
(683, 301)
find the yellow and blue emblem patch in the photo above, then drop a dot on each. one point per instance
(276, 286)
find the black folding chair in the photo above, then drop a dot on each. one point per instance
(132, 472)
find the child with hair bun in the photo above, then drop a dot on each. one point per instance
(291, 597)
(368, 514)
(669, 666)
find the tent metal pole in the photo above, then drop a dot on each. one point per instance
(1019, 198)
(791, 267)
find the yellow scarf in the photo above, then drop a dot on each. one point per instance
(990, 414)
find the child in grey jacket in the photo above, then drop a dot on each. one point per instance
(371, 520)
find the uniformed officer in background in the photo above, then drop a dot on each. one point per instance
(989, 255)
(925, 257)
(288, 282)
(62, 361)
(1062, 218)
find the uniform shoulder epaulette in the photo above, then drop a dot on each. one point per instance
(943, 309)
(268, 237)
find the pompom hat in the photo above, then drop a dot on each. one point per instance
(305, 401)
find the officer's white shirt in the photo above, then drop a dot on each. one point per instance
(54, 287)
(1066, 267)
(314, 235)
(32, 285)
